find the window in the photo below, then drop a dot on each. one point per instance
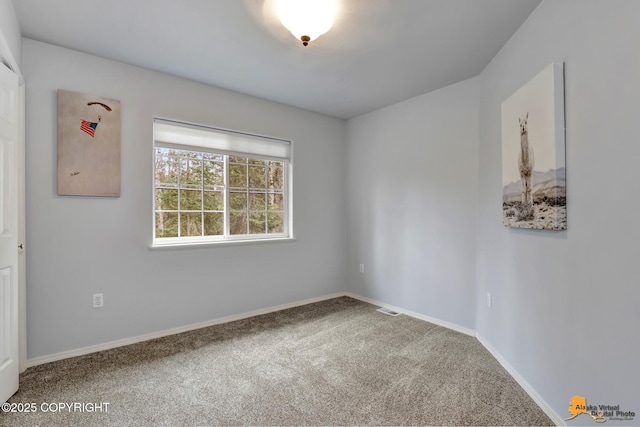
(214, 185)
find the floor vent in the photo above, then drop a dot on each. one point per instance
(387, 311)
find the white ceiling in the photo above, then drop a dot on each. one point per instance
(379, 52)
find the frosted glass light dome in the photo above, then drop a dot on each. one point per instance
(306, 19)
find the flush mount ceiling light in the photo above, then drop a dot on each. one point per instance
(306, 19)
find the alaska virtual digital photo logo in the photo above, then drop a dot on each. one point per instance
(599, 413)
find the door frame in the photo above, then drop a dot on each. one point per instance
(22, 264)
(6, 57)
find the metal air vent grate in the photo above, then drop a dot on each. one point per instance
(387, 311)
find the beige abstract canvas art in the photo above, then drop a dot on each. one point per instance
(88, 145)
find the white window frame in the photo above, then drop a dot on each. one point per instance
(226, 146)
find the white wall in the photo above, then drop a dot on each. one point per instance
(412, 203)
(10, 36)
(78, 246)
(566, 304)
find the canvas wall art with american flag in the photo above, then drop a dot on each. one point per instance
(88, 145)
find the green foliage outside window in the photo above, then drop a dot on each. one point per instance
(190, 194)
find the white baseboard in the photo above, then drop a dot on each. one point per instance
(140, 338)
(426, 318)
(555, 417)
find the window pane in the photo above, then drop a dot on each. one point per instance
(213, 201)
(167, 171)
(234, 159)
(195, 155)
(276, 178)
(238, 201)
(257, 162)
(257, 201)
(237, 175)
(161, 151)
(238, 222)
(213, 223)
(213, 175)
(275, 223)
(191, 224)
(276, 201)
(257, 177)
(190, 200)
(190, 173)
(166, 224)
(213, 157)
(257, 222)
(166, 200)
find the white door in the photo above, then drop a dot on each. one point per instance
(8, 233)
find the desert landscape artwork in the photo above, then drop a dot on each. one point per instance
(533, 154)
(88, 145)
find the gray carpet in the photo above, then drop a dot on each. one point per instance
(336, 362)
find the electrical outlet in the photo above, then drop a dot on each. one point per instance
(361, 268)
(98, 301)
(489, 299)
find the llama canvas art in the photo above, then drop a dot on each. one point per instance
(533, 154)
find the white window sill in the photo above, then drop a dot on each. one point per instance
(212, 243)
